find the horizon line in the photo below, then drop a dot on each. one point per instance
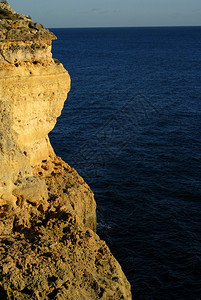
(142, 26)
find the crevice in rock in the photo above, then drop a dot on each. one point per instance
(53, 294)
(3, 294)
(4, 57)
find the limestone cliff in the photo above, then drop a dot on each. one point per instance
(48, 245)
(25, 56)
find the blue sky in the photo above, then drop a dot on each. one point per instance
(111, 13)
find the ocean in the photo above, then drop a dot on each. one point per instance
(131, 127)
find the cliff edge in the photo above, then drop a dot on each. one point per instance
(48, 245)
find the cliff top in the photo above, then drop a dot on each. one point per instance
(6, 12)
(20, 27)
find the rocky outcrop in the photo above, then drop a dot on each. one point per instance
(67, 188)
(21, 39)
(25, 57)
(59, 259)
(48, 245)
(36, 104)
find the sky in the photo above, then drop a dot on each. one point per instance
(111, 13)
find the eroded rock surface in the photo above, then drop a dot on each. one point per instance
(25, 57)
(51, 255)
(48, 245)
(17, 182)
(67, 188)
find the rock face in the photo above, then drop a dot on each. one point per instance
(48, 245)
(25, 56)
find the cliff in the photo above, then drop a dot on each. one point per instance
(49, 248)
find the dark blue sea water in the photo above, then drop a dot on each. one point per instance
(131, 126)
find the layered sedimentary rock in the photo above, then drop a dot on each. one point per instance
(48, 245)
(25, 57)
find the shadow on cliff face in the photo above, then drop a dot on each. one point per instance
(3, 294)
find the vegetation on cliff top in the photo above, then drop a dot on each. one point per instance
(7, 14)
